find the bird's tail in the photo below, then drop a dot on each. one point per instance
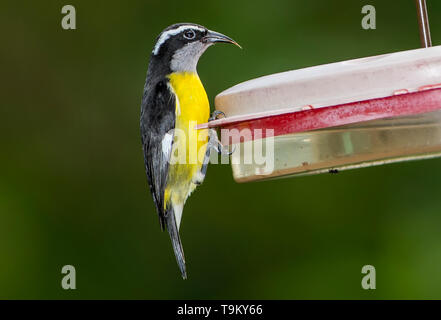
(172, 228)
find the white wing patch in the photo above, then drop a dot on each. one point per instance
(167, 142)
(169, 33)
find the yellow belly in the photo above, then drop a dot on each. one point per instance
(192, 108)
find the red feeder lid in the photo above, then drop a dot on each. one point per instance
(396, 84)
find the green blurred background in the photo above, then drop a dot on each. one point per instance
(72, 182)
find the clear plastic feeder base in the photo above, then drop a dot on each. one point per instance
(346, 147)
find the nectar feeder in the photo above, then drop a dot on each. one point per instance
(338, 116)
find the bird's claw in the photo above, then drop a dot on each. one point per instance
(215, 144)
(224, 149)
(215, 114)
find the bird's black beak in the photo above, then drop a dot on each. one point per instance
(213, 37)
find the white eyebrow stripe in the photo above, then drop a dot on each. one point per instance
(164, 36)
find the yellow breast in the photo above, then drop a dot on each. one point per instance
(192, 108)
(189, 145)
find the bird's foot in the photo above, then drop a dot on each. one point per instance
(214, 143)
(215, 115)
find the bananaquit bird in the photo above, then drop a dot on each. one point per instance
(174, 100)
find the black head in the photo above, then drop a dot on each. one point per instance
(180, 45)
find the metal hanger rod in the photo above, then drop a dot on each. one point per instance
(423, 21)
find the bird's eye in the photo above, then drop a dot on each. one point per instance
(189, 34)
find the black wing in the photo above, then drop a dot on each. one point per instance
(157, 119)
